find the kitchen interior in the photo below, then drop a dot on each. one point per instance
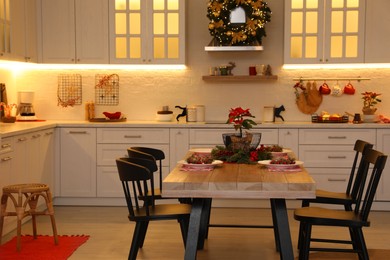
(65, 32)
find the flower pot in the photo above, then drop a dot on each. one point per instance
(246, 142)
(10, 119)
(369, 110)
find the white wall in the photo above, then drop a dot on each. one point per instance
(142, 93)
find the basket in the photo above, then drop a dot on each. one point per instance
(249, 141)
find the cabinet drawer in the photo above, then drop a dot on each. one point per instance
(6, 145)
(335, 181)
(335, 136)
(214, 136)
(133, 135)
(327, 155)
(107, 153)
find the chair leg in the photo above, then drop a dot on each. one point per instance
(135, 242)
(305, 245)
(144, 229)
(361, 244)
(50, 209)
(184, 223)
(4, 199)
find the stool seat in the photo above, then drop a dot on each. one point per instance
(24, 198)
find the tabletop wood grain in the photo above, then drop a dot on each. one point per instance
(239, 181)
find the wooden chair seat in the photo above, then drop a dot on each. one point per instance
(164, 210)
(24, 198)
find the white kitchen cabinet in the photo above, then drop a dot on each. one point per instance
(328, 154)
(324, 31)
(288, 138)
(178, 145)
(147, 32)
(377, 31)
(74, 31)
(112, 143)
(23, 30)
(383, 141)
(6, 156)
(78, 162)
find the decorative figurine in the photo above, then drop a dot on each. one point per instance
(278, 110)
(183, 113)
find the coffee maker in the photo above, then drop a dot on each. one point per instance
(25, 109)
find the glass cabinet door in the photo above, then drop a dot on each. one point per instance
(148, 32)
(318, 31)
(5, 24)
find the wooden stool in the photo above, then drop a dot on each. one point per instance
(25, 199)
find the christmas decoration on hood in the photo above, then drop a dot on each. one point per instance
(242, 33)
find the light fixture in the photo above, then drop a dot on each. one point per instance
(337, 66)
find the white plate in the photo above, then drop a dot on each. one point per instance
(267, 163)
(201, 150)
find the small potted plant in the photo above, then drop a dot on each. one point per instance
(241, 119)
(8, 118)
(370, 99)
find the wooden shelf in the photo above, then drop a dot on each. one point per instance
(238, 78)
(233, 48)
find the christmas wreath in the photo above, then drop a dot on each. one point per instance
(226, 33)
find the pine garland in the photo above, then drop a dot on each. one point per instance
(227, 34)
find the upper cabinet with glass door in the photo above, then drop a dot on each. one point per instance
(324, 31)
(147, 31)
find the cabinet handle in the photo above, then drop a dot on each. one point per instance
(6, 159)
(3, 146)
(337, 157)
(22, 139)
(133, 136)
(337, 137)
(48, 133)
(36, 136)
(335, 179)
(77, 132)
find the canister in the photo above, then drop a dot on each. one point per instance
(191, 114)
(269, 114)
(200, 113)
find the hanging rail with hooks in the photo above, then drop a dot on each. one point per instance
(330, 79)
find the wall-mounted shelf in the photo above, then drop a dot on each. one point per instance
(233, 48)
(239, 78)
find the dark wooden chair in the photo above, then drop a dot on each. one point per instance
(137, 180)
(353, 220)
(356, 177)
(151, 154)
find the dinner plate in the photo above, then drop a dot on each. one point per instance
(201, 150)
(267, 163)
(201, 165)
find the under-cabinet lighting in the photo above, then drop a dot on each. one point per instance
(337, 66)
(16, 66)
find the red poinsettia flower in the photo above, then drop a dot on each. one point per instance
(236, 116)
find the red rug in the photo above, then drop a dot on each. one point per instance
(42, 248)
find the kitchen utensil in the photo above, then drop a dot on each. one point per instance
(336, 90)
(324, 89)
(349, 89)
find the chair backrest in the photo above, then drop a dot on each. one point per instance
(136, 175)
(361, 147)
(377, 161)
(144, 152)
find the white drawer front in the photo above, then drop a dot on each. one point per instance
(133, 135)
(335, 136)
(214, 136)
(107, 153)
(327, 155)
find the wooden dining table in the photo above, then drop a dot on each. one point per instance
(238, 181)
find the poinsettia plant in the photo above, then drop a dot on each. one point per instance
(241, 119)
(370, 99)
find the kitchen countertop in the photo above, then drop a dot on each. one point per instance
(11, 129)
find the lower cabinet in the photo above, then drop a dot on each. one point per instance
(328, 154)
(382, 144)
(78, 162)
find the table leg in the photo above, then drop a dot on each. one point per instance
(193, 229)
(279, 210)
